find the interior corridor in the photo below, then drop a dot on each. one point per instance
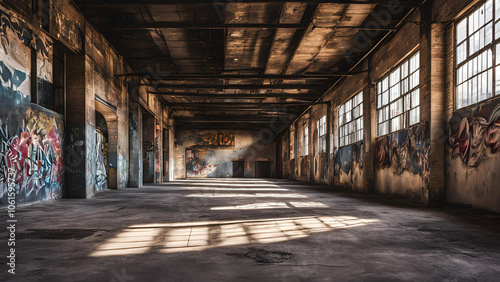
(252, 230)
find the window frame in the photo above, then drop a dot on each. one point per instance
(405, 96)
(322, 124)
(343, 123)
(494, 46)
(305, 140)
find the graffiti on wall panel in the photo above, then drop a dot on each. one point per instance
(102, 161)
(14, 84)
(23, 33)
(472, 133)
(406, 150)
(31, 156)
(215, 140)
(347, 157)
(197, 164)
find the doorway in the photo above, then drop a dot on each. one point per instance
(106, 145)
(263, 169)
(238, 169)
(148, 146)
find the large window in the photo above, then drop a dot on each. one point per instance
(398, 97)
(322, 135)
(351, 121)
(292, 144)
(305, 149)
(476, 42)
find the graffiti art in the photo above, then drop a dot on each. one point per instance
(406, 150)
(31, 156)
(215, 140)
(474, 132)
(197, 164)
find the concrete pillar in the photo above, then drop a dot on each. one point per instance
(370, 123)
(75, 142)
(81, 154)
(135, 138)
(432, 100)
(113, 153)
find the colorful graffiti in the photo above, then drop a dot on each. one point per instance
(215, 140)
(404, 151)
(196, 164)
(31, 156)
(472, 133)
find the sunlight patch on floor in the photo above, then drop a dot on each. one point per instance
(241, 195)
(199, 236)
(280, 205)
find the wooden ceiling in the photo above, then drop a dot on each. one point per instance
(243, 63)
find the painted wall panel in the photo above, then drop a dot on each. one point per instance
(473, 157)
(402, 165)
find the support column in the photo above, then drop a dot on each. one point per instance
(135, 138)
(432, 100)
(75, 159)
(370, 123)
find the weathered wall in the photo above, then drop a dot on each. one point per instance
(402, 162)
(89, 74)
(473, 156)
(472, 134)
(451, 152)
(31, 154)
(210, 153)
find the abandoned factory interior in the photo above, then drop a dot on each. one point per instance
(240, 140)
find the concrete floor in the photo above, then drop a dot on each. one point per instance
(251, 230)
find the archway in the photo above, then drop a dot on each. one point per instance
(106, 146)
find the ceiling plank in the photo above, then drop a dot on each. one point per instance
(100, 3)
(237, 86)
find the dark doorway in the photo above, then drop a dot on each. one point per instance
(263, 169)
(148, 148)
(238, 169)
(165, 155)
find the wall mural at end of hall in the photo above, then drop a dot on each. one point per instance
(215, 140)
(31, 157)
(473, 133)
(406, 150)
(197, 163)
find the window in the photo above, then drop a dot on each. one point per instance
(476, 42)
(322, 135)
(292, 143)
(398, 97)
(351, 121)
(305, 151)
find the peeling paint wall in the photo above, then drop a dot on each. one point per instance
(208, 153)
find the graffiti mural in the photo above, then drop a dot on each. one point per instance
(31, 156)
(215, 140)
(348, 167)
(402, 162)
(14, 83)
(406, 150)
(23, 33)
(474, 133)
(102, 161)
(197, 164)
